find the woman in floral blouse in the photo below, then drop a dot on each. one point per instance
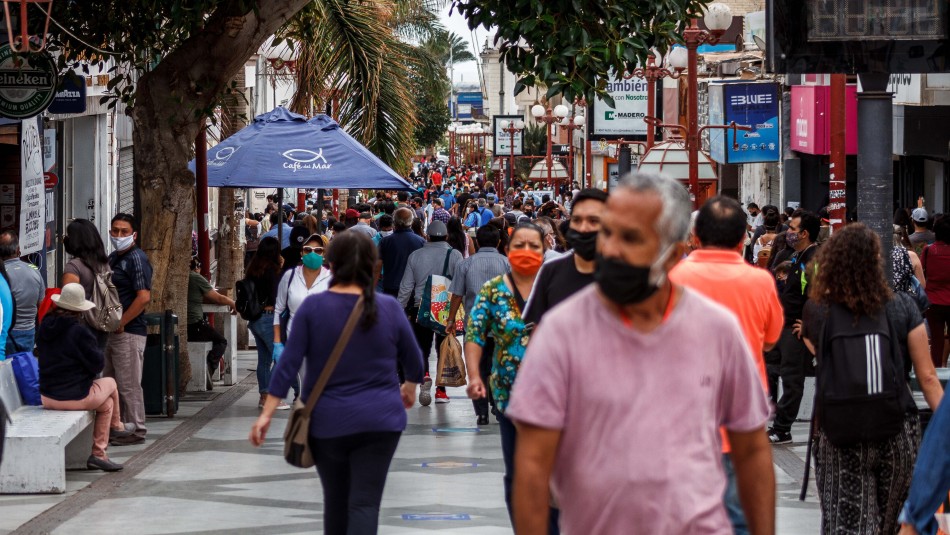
(497, 313)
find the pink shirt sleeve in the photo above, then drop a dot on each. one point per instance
(539, 395)
(743, 404)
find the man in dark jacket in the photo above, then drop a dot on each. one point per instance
(394, 250)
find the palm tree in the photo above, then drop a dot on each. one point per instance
(448, 47)
(358, 55)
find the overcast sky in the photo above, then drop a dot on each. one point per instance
(464, 72)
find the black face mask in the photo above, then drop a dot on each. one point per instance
(623, 283)
(583, 243)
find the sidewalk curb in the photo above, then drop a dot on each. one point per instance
(103, 487)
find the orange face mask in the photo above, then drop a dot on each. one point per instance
(525, 262)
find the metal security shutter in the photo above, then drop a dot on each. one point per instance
(774, 186)
(126, 185)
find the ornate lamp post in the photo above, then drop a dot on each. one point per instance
(718, 18)
(511, 128)
(652, 73)
(549, 117)
(575, 122)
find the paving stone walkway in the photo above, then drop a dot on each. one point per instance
(198, 474)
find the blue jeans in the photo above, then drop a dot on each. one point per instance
(731, 498)
(20, 341)
(263, 330)
(509, 437)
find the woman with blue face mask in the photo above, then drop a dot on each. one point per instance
(310, 277)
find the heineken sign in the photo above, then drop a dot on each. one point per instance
(27, 83)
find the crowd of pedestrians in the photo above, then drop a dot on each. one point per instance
(712, 320)
(641, 359)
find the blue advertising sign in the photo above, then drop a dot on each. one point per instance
(70, 95)
(750, 104)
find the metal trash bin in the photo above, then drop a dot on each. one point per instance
(160, 372)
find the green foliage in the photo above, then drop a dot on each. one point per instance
(535, 144)
(573, 46)
(433, 118)
(448, 47)
(136, 35)
(358, 51)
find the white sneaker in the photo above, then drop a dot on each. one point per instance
(425, 395)
(283, 406)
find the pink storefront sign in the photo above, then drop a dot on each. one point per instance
(810, 125)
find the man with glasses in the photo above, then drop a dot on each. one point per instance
(125, 351)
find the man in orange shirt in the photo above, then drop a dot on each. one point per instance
(718, 271)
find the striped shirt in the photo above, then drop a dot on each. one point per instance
(473, 272)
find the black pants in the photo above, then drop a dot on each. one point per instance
(509, 439)
(424, 339)
(353, 471)
(795, 358)
(484, 370)
(773, 363)
(202, 332)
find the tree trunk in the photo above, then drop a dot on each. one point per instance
(171, 102)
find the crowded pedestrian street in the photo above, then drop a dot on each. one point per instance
(626, 267)
(201, 476)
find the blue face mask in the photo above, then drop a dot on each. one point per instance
(312, 260)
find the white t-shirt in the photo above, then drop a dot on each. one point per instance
(298, 291)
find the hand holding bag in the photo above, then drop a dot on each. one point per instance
(296, 436)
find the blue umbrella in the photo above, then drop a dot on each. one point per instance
(281, 149)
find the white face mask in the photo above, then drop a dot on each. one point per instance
(121, 244)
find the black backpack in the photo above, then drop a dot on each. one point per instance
(859, 381)
(248, 303)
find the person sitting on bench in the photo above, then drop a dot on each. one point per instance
(69, 361)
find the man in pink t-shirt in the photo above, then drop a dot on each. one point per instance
(644, 457)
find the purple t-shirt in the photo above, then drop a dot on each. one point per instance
(642, 449)
(363, 392)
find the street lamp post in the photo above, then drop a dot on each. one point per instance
(718, 18)
(549, 117)
(652, 73)
(571, 124)
(511, 128)
(452, 129)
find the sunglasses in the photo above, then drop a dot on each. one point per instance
(308, 250)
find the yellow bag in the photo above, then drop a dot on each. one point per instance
(451, 364)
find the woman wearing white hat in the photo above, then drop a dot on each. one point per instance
(69, 361)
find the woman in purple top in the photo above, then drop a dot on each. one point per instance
(360, 416)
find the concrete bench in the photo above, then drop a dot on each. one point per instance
(229, 328)
(40, 444)
(198, 357)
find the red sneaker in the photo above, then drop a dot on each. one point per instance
(441, 396)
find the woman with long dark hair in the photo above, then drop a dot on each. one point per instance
(458, 238)
(83, 242)
(264, 271)
(357, 421)
(862, 484)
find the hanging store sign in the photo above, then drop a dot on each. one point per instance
(810, 125)
(504, 140)
(70, 95)
(32, 190)
(625, 119)
(27, 83)
(748, 104)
